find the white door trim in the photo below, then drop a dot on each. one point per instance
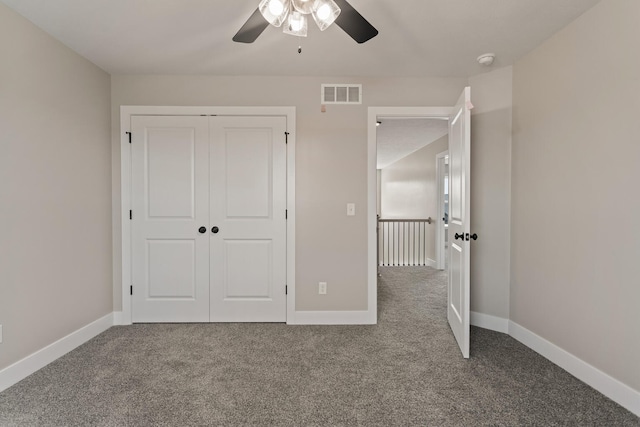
(126, 111)
(440, 252)
(373, 114)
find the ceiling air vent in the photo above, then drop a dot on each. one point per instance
(341, 94)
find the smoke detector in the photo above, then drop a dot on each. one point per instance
(486, 59)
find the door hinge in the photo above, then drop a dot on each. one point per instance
(286, 214)
(129, 133)
(286, 290)
(131, 290)
(286, 137)
(130, 214)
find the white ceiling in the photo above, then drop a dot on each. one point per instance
(397, 138)
(417, 37)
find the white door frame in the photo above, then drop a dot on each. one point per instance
(374, 114)
(127, 111)
(440, 252)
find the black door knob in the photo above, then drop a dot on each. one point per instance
(459, 236)
(474, 236)
(202, 230)
(214, 230)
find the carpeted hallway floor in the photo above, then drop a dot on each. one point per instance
(405, 371)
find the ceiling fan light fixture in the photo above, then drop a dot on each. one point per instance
(275, 11)
(296, 24)
(325, 12)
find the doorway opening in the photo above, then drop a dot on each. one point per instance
(459, 140)
(408, 190)
(375, 115)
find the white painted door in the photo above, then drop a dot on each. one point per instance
(170, 200)
(189, 175)
(459, 220)
(248, 202)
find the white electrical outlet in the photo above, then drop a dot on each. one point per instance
(322, 288)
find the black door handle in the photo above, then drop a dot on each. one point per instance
(202, 230)
(474, 236)
(214, 230)
(459, 236)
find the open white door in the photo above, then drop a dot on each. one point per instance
(459, 220)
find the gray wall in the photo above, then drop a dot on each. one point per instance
(575, 242)
(331, 162)
(55, 190)
(491, 191)
(378, 191)
(409, 187)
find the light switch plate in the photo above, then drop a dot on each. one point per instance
(351, 209)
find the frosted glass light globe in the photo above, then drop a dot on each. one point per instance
(296, 21)
(324, 11)
(276, 7)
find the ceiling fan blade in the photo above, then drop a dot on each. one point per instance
(354, 24)
(251, 29)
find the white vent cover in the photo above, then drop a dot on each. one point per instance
(341, 94)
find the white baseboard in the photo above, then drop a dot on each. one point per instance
(41, 358)
(612, 388)
(332, 318)
(431, 263)
(487, 321)
(117, 318)
(605, 384)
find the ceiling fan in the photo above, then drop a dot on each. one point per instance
(293, 14)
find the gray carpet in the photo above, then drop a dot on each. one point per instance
(405, 371)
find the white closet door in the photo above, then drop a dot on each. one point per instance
(170, 199)
(248, 202)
